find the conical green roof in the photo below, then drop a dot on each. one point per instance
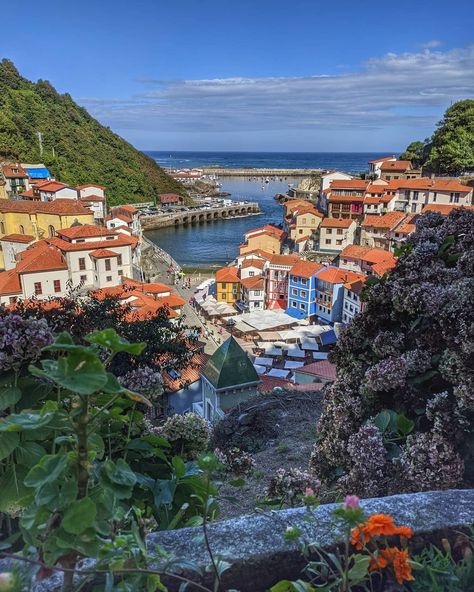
(229, 366)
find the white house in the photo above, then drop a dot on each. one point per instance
(12, 245)
(412, 195)
(125, 215)
(375, 166)
(367, 260)
(253, 293)
(352, 304)
(93, 196)
(336, 233)
(327, 178)
(51, 190)
(252, 267)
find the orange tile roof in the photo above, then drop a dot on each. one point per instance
(426, 183)
(288, 260)
(253, 283)
(127, 208)
(152, 288)
(308, 210)
(336, 223)
(268, 383)
(119, 241)
(389, 220)
(383, 267)
(348, 184)
(259, 253)
(8, 171)
(92, 198)
(103, 253)
(258, 263)
(369, 254)
(355, 286)
(305, 269)
(395, 165)
(291, 204)
(40, 257)
(67, 207)
(9, 282)
(335, 275)
(18, 238)
(53, 186)
(345, 198)
(444, 209)
(267, 229)
(85, 231)
(188, 375)
(86, 185)
(227, 274)
(126, 219)
(381, 159)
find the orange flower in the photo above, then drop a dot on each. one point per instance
(404, 531)
(401, 566)
(380, 524)
(378, 562)
(360, 537)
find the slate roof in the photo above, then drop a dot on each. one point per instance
(230, 366)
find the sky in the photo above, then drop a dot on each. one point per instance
(253, 75)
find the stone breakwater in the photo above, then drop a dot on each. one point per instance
(255, 172)
(200, 216)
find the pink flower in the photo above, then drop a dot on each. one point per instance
(351, 501)
(309, 492)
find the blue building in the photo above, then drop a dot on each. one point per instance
(330, 292)
(302, 289)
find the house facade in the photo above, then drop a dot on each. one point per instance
(352, 304)
(336, 233)
(268, 238)
(302, 289)
(253, 293)
(277, 276)
(228, 288)
(16, 179)
(330, 292)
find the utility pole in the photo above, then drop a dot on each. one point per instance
(40, 142)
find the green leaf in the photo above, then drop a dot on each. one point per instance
(237, 482)
(164, 491)
(110, 339)
(112, 386)
(49, 469)
(404, 425)
(138, 398)
(179, 466)
(19, 422)
(359, 570)
(9, 396)
(428, 375)
(118, 477)
(80, 516)
(63, 342)
(8, 442)
(13, 491)
(81, 371)
(382, 420)
(29, 453)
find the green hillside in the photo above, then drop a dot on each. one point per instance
(84, 150)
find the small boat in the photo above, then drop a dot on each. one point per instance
(267, 180)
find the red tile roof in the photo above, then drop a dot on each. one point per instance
(8, 171)
(18, 238)
(86, 231)
(355, 286)
(103, 253)
(9, 282)
(337, 223)
(258, 253)
(127, 208)
(66, 207)
(305, 269)
(381, 159)
(40, 257)
(92, 198)
(188, 375)
(288, 260)
(444, 209)
(258, 263)
(126, 219)
(227, 274)
(321, 369)
(53, 186)
(119, 241)
(253, 283)
(395, 165)
(335, 275)
(389, 220)
(369, 254)
(267, 229)
(268, 383)
(349, 184)
(426, 183)
(170, 198)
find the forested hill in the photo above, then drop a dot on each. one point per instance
(84, 150)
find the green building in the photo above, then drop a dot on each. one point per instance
(227, 379)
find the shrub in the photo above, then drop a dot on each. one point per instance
(289, 486)
(188, 434)
(409, 353)
(236, 461)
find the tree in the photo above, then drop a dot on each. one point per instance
(414, 153)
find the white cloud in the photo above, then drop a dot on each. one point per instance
(433, 44)
(388, 92)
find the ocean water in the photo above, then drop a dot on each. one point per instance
(216, 243)
(351, 162)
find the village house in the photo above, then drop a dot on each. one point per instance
(13, 244)
(36, 172)
(253, 293)
(170, 199)
(268, 238)
(301, 223)
(302, 289)
(376, 165)
(251, 267)
(352, 304)
(228, 378)
(277, 275)
(124, 218)
(228, 287)
(367, 260)
(93, 196)
(16, 179)
(330, 176)
(413, 194)
(40, 219)
(330, 292)
(336, 233)
(398, 169)
(376, 230)
(345, 198)
(322, 372)
(183, 387)
(398, 235)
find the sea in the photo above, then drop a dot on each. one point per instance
(215, 244)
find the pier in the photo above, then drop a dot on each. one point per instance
(199, 216)
(227, 172)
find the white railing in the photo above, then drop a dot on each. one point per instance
(198, 408)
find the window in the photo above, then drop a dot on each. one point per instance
(302, 306)
(329, 230)
(2, 227)
(257, 292)
(293, 304)
(108, 278)
(328, 241)
(251, 273)
(281, 296)
(294, 292)
(83, 278)
(303, 294)
(300, 231)
(107, 265)
(95, 264)
(22, 229)
(339, 231)
(120, 272)
(224, 296)
(454, 197)
(224, 285)
(38, 288)
(435, 195)
(413, 207)
(351, 308)
(304, 281)
(119, 260)
(82, 263)
(110, 238)
(339, 242)
(415, 195)
(80, 240)
(51, 230)
(57, 285)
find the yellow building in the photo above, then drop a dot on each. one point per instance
(3, 193)
(268, 238)
(304, 221)
(228, 285)
(40, 219)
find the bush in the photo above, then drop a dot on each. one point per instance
(188, 434)
(408, 355)
(236, 461)
(289, 486)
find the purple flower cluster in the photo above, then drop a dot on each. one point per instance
(21, 341)
(386, 375)
(291, 485)
(143, 380)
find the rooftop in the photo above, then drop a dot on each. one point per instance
(337, 222)
(66, 207)
(227, 274)
(103, 253)
(322, 369)
(18, 238)
(85, 231)
(230, 366)
(335, 275)
(389, 220)
(305, 269)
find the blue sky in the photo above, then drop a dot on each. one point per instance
(253, 74)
